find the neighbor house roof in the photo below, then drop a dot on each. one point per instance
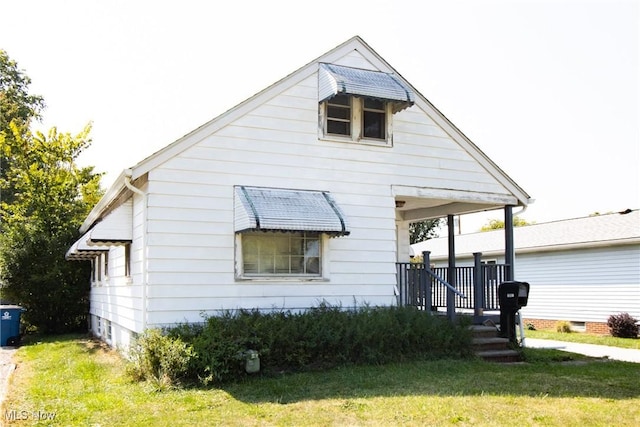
(593, 231)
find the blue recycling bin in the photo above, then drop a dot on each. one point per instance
(10, 325)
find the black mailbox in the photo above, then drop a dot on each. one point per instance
(512, 296)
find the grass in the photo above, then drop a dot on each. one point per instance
(84, 383)
(584, 338)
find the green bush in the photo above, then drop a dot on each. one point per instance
(623, 325)
(319, 338)
(160, 359)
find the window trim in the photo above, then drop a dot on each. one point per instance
(323, 276)
(357, 123)
(127, 260)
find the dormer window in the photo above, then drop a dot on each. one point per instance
(356, 118)
(339, 115)
(358, 105)
(374, 121)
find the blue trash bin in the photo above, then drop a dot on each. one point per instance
(10, 325)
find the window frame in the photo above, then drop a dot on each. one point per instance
(357, 120)
(322, 275)
(127, 260)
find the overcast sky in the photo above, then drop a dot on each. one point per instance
(547, 89)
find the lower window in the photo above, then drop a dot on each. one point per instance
(281, 254)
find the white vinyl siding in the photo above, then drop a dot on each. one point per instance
(190, 238)
(581, 285)
(585, 285)
(121, 302)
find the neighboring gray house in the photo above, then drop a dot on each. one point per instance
(580, 270)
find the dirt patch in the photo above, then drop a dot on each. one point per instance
(6, 369)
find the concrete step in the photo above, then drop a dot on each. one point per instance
(492, 343)
(490, 347)
(500, 356)
(481, 331)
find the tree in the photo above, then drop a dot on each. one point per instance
(17, 106)
(423, 230)
(51, 196)
(496, 224)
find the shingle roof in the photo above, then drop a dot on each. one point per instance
(599, 230)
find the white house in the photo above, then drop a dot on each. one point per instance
(270, 204)
(580, 270)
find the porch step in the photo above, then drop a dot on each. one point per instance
(482, 331)
(488, 346)
(500, 356)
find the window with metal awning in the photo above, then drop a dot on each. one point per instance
(357, 105)
(336, 79)
(272, 209)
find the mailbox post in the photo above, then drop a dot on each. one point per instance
(512, 296)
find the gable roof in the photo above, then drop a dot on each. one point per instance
(121, 186)
(593, 231)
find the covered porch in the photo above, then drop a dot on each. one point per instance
(473, 289)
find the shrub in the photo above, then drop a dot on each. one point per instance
(319, 338)
(563, 327)
(160, 359)
(623, 325)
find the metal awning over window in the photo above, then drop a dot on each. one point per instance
(272, 209)
(114, 229)
(81, 251)
(336, 79)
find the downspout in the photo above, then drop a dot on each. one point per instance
(136, 190)
(509, 247)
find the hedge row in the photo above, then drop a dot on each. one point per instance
(318, 338)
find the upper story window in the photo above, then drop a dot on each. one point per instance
(339, 115)
(358, 104)
(356, 118)
(374, 119)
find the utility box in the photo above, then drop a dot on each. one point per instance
(10, 325)
(252, 362)
(512, 296)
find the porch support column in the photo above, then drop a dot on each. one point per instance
(426, 281)
(478, 285)
(451, 303)
(509, 249)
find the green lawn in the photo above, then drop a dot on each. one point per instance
(584, 338)
(84, 384)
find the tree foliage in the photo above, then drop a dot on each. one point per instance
(424, 230)
(49, 196)
(496, 224)
(17, 106)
